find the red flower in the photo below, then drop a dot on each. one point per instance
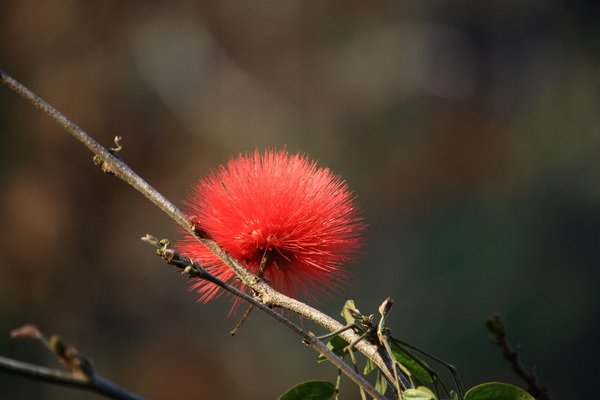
(281, 206)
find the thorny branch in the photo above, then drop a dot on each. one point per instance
(268, 297)
(497, 334)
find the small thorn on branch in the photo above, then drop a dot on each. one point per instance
(118, 146)
(105, 167)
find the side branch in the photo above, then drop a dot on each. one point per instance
(497, 334)
(96, 383)
(195, 270)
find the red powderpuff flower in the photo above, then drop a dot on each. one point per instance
(273, 204)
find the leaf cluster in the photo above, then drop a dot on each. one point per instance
(417, 380)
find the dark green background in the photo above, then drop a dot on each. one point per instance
(468, 130)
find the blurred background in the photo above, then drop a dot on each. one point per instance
(468, 130)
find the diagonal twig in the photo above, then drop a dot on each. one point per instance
(497, 334)
(80, 373)
(97, 384)
(195, 270)
(268, 296)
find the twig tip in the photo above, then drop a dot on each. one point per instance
(27, 331)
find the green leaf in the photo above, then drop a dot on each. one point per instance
(349, 304)
(428, 391)
(380, 383)
(337, 345)
(369, 366)
(411, 365)
(421, 393)
(497, 391)
(310, 390)
(453, 395)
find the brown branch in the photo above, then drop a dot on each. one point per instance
(497, 334)
(80, 373)
(110, 163)
(268, 296)
(195, 270)
(96, 383)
